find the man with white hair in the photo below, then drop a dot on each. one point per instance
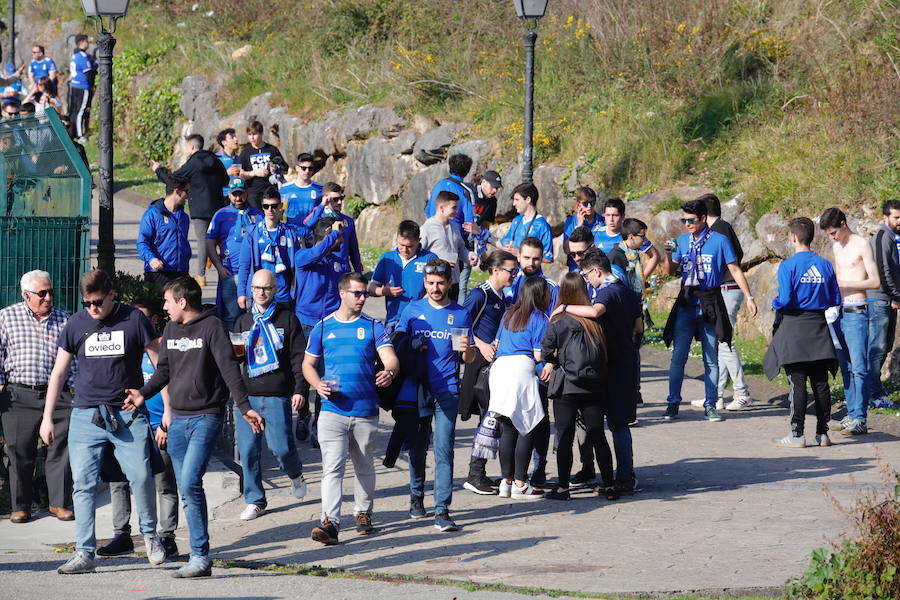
(28, 333)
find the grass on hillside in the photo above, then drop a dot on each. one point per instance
(791, 103)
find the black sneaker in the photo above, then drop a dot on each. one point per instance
(169, 545)
(120, 544)
(482, 487)
(671, 411)
(582, 477)
(627, 488)
(556, 494)
(364, 524)
(443, 522)
(417, 507)
(325, 533)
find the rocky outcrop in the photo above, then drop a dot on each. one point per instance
(644, 207)
(377, 225)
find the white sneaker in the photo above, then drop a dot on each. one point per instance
(526, 493)
(720, 404)
(740, 403)
(251, 511)
(505, 489)
(156, 554)
(698, 403)
(823, 440)
(298, 488)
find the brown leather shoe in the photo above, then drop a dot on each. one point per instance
(20, 516)
(63, 514)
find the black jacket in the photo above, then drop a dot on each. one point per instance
(712, 306)
(884, 247)
(288, 379)
(800, 336)
(197, 362)
(207, 176)
(552, 348)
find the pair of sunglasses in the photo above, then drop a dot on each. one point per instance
(358, 293)
(42, 293)
(431, 269)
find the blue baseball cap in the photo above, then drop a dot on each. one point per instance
(236, 185)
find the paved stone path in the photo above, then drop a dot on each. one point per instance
(720, 508)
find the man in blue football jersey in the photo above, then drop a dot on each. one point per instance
(41, 66)
(224, 239)
(611, 235)
(702, 255)
(441, 330)
(531, 253)
(82, 70)
(347, 342)
(228, 155)
(399, 275)
(801, 343)
(528, 223)
(585, 216)
(303, 194)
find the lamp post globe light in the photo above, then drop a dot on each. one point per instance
(530, 11)
(106, 13)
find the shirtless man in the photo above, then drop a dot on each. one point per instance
(856, 271)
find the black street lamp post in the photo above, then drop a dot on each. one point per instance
(112, 11)
(530, 11)
(12, 32)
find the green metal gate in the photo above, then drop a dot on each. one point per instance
(45, 220)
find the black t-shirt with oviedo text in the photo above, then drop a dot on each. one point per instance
(109, 358)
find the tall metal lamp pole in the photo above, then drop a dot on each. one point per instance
(530, 11)
(112, 11)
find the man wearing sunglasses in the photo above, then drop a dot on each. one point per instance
(702, 255)
(270, 245)
(581, 239)
(340, 365)
(332, 204)
(585, 216)
(28, 334)
(162, 240)
(109, 340)
(302, 194)
(224, 240)
(434, 318)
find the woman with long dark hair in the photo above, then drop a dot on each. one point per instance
(514, 386)
(486, 306)
(576, 354)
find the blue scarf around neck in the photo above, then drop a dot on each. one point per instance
(693, 271)
(263, 343)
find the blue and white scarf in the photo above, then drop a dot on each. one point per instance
(271, 252)
(263, 343)
(693, 270)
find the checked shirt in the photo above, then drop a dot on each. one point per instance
(28, 345)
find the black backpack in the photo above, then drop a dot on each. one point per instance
(583, 361)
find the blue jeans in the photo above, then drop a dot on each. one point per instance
(130, 446)
(445, 406)
(689, 324)
(226, 301)
(191, 443)
(882, 326)
(464, 273)
(624, 453)
(853, 358)
(279, 438)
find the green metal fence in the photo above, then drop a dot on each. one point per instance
(45, 218)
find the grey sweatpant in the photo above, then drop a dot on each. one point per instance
(340, 436)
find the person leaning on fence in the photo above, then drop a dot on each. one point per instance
(28, 334)
(109, 340)
(162, 240)
(272, 368)
(196, 361)
(348, 343)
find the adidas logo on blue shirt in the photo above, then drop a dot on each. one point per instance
(812, 275)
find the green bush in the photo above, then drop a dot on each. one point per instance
(864, 568)
(155, 115)
(131, 287)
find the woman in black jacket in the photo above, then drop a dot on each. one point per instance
(575, 390)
